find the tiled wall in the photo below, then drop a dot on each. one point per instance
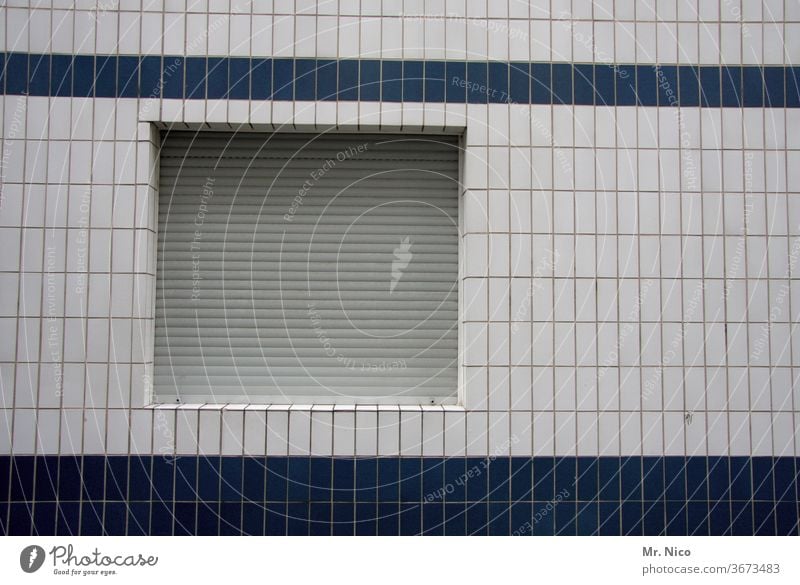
(630, 237)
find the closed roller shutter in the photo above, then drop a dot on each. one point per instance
(307, 269)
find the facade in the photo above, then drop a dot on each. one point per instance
(629, 213)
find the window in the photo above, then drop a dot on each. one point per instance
(299, 268)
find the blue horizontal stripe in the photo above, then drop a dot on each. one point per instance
(185, 495)
(479, 82)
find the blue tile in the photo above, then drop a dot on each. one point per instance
(163, 479)
(195, 78)
(562, 83)
(566, 477)
(784, 476)
(609, 519)
(541, 83)
(261, 79)
(161, 518)
(455, 480)
(344, 515)
(626, 92)
(46, 479)
(44, 518)
(217, 78)
(149, 76)
(282, 79)
(565, 518)
(710, 89)
(731, 87)
(93, 475)
(653, 521)
(69, 479)
(497, 86)
(786, 517)
(410, 479)
(521, 479)
(632, 517)
(433, 487)
(697, 518)
(298, 479)
(718, 480)
(319, 519)
(207, 519)
(477, 481)
(544, 479)
(275, 518)
(127, 76)
(689, 80)
(410, 519)
(252, 519)
(185, 516)
(588, 477)
(647, 81)
(392, 81)
(276, 479)
(92, 518)
(604, 84)
(676, 519)
(2, 87)
(138, 518)
(477, 518)
(696, 479)
(763, 488)
(764, 519)
(740, 478)
(185, 478)
(455, 82)
(20, 520)
(369, 81)
(584, 84)
(588, 516)
(231, 481)
(455, 519)
(433, 518)
(434, 81)
(609, 478)
(327, 76)
(230, 519)
(793, 87)
(239, 70)
(39, 70)
(173, 78)
(61, 75)
(343, 479)
(519, 83)
(741, 518)
(477, 82)
(499, 479)
(388, 519)
(320, 472)
(16, 73)
(544, 519)
(652, 478)
(499, 519)
(22, 471)
(348, 80)
(114, 518)
(521, 518)
(366, 480)
(675, 478)
(116, 478)
(752, 87)
(305, 79)
(413, 81)
(68, 519)
(388, 480)
(774, 89)
(668, 86)
(719, 519)
(5, 480)
(366, 519)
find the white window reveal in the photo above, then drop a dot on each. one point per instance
(300, 268)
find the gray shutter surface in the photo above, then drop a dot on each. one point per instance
(307, 269)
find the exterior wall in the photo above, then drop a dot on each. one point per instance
(629, 271)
